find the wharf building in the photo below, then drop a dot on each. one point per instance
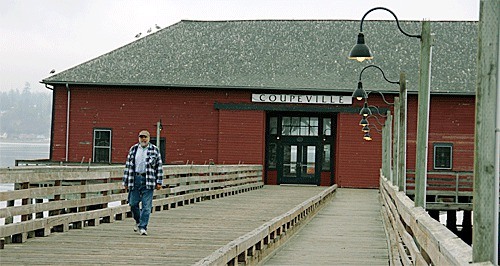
(270, 92)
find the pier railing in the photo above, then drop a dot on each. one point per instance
(51, 199)
(253, 247)
(445, 190)
(415, 238)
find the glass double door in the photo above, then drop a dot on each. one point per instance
(299, 164)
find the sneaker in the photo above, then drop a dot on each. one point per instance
(136, 227)
(143, 232)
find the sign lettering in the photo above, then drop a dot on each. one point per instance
(299, 98)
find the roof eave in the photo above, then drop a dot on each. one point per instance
(303, 89)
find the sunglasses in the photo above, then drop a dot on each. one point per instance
(143, 136)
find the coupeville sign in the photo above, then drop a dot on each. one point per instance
(300, 98)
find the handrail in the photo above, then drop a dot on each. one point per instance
(417, 237)
(59, 198)
(254, 246)
(450, 189)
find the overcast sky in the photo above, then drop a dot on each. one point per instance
(38, 36)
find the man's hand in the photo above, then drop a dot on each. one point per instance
(158, 186)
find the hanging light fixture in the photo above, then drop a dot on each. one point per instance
(364, 121)
(366, 129)
(365, 111)
(359, 93)
(360, 50)
(367, 136)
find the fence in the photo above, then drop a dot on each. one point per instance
(58, 198)
(445, 190)
(415, 237)
(252, 247)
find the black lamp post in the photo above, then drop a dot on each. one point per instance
(360, 52)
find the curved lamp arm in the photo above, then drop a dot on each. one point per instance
(376, 128)
(378, 111)
(383, 74)
(381, 94)
(360, 93)
(397, 22)
(376, 118)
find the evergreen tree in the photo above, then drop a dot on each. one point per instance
(25, 112)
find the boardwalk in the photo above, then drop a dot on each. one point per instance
(180, 236)
(347, 231)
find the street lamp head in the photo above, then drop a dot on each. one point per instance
(367, 136)
(359, 93)
(364, 121)
(360, 51)
(365, 111)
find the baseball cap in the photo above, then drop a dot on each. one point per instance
(144, 133)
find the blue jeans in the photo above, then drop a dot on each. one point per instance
(139, 193)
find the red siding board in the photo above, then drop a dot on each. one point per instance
(357, 160)
(188, 116)
(241, 134)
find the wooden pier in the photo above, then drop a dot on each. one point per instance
(214, 215)
(347, 231)
(179, 236)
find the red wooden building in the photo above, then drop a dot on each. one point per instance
(276, 93)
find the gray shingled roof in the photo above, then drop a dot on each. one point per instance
(286, 55)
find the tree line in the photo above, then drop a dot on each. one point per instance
(25, 113)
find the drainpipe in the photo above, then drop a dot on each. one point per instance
(67, 122)
(51, 121)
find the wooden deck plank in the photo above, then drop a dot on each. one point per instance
(180, 236)
(347, 231)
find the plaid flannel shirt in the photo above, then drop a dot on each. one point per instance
(154, 168)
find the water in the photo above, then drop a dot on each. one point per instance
(10, 151)
(17, 150)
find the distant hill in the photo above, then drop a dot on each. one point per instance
(25, 114)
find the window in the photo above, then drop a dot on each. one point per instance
(271, 156)
(273, 125)
(299, 126)
(327, 126)
(102, 146)
(443, 155)
(326, 157)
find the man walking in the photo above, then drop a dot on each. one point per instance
(143, 173)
